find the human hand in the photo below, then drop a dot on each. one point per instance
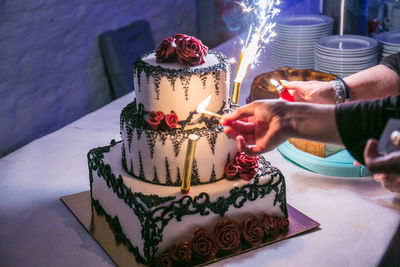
(386, 168)
(258, 127)
(311, 91)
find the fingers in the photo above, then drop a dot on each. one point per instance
(390, 182)
(389, 163)
(233, 133)
(379, 177)
(371, 157)
(248, 150)
(239, 114)
(297, 96)
(292, 85)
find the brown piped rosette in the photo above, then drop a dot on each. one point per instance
(253, 232)
(229, 237)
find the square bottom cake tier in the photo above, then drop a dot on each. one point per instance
(163, 227)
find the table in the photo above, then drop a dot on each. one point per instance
(358, 218)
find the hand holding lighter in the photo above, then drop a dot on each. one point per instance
(282, 91)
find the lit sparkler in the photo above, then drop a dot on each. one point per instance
(259, 34)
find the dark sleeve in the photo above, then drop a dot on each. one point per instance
(360, 120)
(392, 62)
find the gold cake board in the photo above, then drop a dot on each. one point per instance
(80, 206)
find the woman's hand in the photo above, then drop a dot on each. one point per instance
(311, 91)
(259, 126)
(386, 168)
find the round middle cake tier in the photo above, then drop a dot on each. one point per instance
(158, 156)
(170, 86)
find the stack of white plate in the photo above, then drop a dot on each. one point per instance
(294, 44)
(389, 43)
(343, 55)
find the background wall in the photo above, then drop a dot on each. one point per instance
(51, 71)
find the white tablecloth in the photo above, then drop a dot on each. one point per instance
(358, 218)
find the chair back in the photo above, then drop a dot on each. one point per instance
(119, 49)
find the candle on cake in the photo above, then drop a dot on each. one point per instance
(201, 108)
(260, 33)
(188, 168)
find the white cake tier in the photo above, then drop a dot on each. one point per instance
(159, 157)
(172, 87)
(151, 218)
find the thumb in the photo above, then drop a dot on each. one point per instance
(241, 113)
(290, 85)
(374, 162)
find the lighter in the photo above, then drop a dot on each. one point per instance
(282, 91)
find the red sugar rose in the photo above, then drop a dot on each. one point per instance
(171, 120)
(179, 37)
(231, 170)
(248, 166)
(191, 51)
(155, 118)
(166, 50)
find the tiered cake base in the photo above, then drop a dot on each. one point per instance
(80, 206)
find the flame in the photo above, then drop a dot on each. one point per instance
(203, 105)
(260, 33)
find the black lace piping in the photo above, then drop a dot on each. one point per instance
(185, 74)
(153, 217)
(133, 119)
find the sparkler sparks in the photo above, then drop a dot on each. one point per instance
(260, 32)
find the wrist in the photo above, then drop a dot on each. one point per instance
(340, 90)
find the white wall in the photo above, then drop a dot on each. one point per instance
(51, 72)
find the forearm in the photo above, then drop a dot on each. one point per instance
(376, 82)
(313, 122)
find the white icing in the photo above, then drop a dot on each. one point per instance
(174, 98)
(131, 226)
(205, 158)
(210, 60)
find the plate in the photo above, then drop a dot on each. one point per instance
(346, 58)
(390, 37)
(304, 20)
(349, 43)
(339, 164)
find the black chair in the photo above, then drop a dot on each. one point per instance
(119, 49)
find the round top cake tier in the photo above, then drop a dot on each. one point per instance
(173, 87)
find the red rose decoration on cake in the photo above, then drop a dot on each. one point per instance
(164, 260)
(183, 48)
(270, 224)
(227, 236)
(244, 166)
(253, 233)
(179, 37)
(191, 51)
(171, 120)
(166, 50)
(231, 170)
(248, 166)
(203, 247)
(155, 118)
(182, 253)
